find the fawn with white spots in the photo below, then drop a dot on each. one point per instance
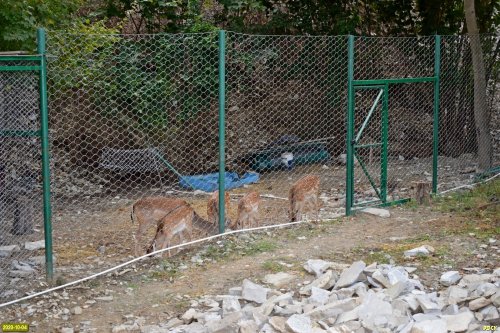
(303, 196)
(213, 208)
(248, 208)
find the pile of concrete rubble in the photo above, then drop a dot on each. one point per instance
(374, 298)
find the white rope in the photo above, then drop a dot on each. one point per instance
(153, 253)
(190, 243)
(470, 185)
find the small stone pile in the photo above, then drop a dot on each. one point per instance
(374, 298)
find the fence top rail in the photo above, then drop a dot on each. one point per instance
(33, 57)
(62, 32)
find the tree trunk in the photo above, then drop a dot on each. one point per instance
(481, 114)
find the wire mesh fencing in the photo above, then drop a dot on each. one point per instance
(131, 115)
(137, 116)
(286, 101)
(458, 144)
(21, 220)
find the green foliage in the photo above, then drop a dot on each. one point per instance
(19, 20)
(144, 80)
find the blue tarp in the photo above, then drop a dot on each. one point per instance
(210, 182)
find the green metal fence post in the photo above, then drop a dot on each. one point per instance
(44, 136)
(350, 129)
(222, 121)
(385, 138)
(435, 148)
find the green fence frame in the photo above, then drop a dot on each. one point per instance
(351, 141)
(40, 66)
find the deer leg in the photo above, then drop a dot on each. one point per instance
(138, 238)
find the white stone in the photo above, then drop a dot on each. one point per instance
(456, 294)
(450, 278)
(495, 299)
(377, 212)
(427, 304)
(459, 322)
(350, 275)
(489, 313)
(6, 251)
(194, 328)
(77, 310)
(397, 274)
(380, 278)
(325, 281)
(278, 323)
(279, 280)
(35, 245)
(429, 326)
(372, 308)
(317, 266)
(228, 324)
(248, 326)
(253, 292)
(423, 250)
(479, 303)
(189, 315)
(66, 330)
(235, 291)
(230, 304)
(299, 324)
(332, 309)
(319, 296)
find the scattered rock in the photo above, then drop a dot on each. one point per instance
(479, 303)
(450, 278)
(458, 322)
(279, 280)
(253, 292)
(350, 275)
(77, 310)
(423, 250)
(377, 212)
(6, 251)
(32, 246)
(299, 324)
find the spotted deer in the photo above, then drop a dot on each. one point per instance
(303, 196)
(179, 222)
(248, 207)
(151, 211)
(213, 208)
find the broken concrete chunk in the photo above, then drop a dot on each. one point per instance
(377, 212)
(6, 251)
(450, 278)
(325, 281)
(317, 266)
(350, 275)
(32, 246)
(253, 292)
(429, 326)
(423, 250)
(479, 303)
(279, 280)
(458, 322)
(299, 324)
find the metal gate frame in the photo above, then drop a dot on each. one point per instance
(38, 63)
(351, 141)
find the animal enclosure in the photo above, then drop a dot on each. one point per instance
(130, 115)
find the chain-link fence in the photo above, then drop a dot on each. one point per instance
(131, 116)
(21, 221)
(458, 144)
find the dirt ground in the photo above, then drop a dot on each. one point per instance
(465, 238)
